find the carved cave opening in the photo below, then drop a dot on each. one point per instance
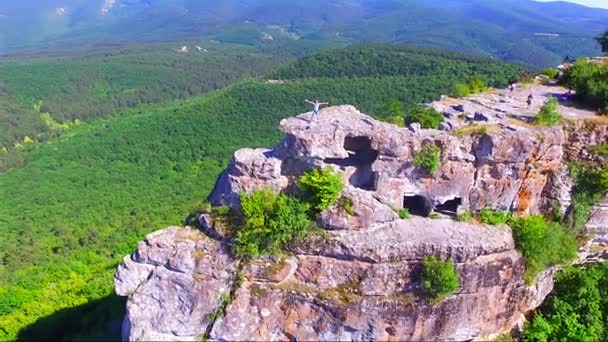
(362, 156)
(418, 205)
(449, 207)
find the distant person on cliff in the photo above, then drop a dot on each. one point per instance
(316, 107)
(530, 98)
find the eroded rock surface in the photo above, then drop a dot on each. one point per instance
(504, 169)
(174, 281)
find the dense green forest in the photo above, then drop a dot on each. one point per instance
(576, 310)
(589, 81)
(87, 84)
(81, 201)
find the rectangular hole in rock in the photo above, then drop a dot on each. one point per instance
(418, 205)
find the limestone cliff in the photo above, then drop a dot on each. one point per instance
(361, 279)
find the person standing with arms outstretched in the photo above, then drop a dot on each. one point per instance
(316, 107)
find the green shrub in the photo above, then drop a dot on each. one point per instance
(550, 72)
(439, 278)
(576, 310)
(394, 108)
(542, 243)
(427, 117)
(403, 213)
(271, 221)
(494, 217)
(323, 186)
(589, 81)
(460, 90)
(428, 158)
(346, 204)
(476, 84)
(395, 120)
(548, 115)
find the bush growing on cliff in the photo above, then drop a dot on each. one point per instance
(323, 187)
(494, 217)
(428, 158)
(576, 310)
(476, 84)
(271, 221)
(427, 117)
(542, 243)
(548, 115)
(460, 90)
(550, 72)
(439, 277)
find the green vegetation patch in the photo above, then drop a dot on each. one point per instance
(428, 158)
(576, 310)
(494, 217)
(427, 117)
(549, 114)
(440, 278)
(323, 187)
(542, 243)
(474, 86)
(271, 221)
(550, 72)
(590, 80)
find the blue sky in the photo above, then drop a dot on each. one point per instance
(590, 3)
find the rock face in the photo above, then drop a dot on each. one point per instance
(505, 170)
(174, 281)
(361, 279)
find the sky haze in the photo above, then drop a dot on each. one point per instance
(589, 3)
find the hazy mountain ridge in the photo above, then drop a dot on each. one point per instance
(508, 29)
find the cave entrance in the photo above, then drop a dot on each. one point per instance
(418, 205)
(449, 207)
(362, 156)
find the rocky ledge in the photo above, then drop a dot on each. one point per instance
(361, 278)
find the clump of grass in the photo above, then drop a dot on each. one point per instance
(494, 217)
(403, 213)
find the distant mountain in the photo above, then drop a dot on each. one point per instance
(526, 31)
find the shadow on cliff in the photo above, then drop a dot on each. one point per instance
(97, 320)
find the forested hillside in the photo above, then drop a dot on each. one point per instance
(40, 96)
(81, 201)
